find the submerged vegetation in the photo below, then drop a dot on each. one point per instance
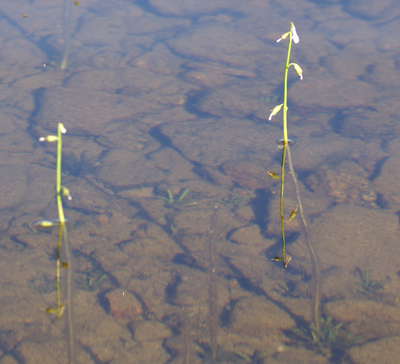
(62, 243)
(292, 35)
(235, 200)
(177, 201)
(322, 333)
(328, 339)
(368, 286)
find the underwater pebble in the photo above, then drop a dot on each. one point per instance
(358, 315)
(221, 44)
(387, 183)
(124, 305)
(371, 9)
(151, 331)
(84, 111)
(384, 351)
(213, 142)
(236, 101)
(366, 237)
(13, 180)
(251, 175)
(347, 182)
(321, 90)
(190, 8)
(247, 320)
(249, 235)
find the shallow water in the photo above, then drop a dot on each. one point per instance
(174, 220)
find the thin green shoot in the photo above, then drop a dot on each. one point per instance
(292, 35)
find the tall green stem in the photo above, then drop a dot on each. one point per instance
(285, 82)
(58, 175)
(284, 147)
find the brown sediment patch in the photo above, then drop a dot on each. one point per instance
(124, 305)
(247, 174)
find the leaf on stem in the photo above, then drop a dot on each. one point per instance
(298, 70)
(275, 110)
(273, 175)
(293, 214)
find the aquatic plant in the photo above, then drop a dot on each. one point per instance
(285, 145)
(256, 358)
(369, 287)
(62, 240)
(177, 202)
(292, 35)
(43, 224)
(330, 339)
(67, 31)
(79, 167)
(325, 335)
(234, 199)
(90, 281)
(215, 355)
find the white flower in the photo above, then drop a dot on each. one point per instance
(295, 36)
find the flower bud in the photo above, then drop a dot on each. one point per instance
(49, 138)
(66, 193)
(62, 129)
(283, 36)
(275, 110)
(298, 70)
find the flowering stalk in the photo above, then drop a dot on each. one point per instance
(62, 239)
(292, 34)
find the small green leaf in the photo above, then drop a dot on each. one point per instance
(293, 214)
(51, 310)
(273, 175)
(184, 193)
(170, 197)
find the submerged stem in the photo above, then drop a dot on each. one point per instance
(70, 315)
(281, 204)
(66, 32)
(316, 315)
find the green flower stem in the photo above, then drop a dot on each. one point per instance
(58, 176)
(285, 91)
(285, 145)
